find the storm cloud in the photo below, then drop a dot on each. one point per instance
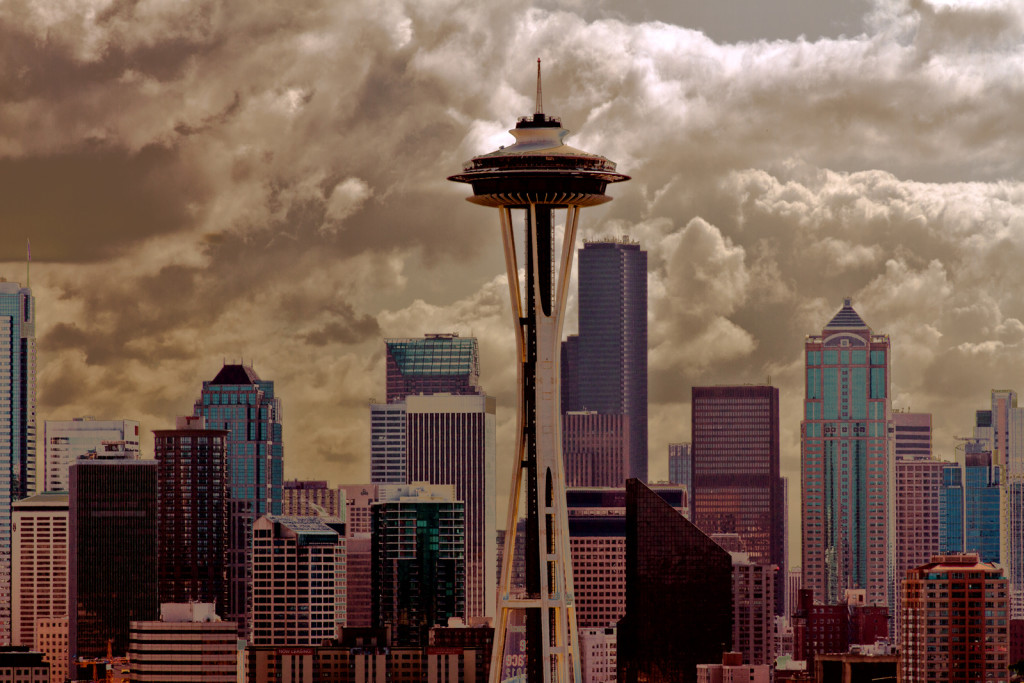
(211, 181)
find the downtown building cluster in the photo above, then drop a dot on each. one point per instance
(909, 562)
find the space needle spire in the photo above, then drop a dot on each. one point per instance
(539, 109)
(534, 178)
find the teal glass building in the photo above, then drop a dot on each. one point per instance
(17, 422)
(844, 460)
(245, 405)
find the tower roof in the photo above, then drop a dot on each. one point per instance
(846, 318)
(236, 374)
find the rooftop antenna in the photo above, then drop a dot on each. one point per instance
(540, 99)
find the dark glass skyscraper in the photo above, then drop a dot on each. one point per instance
(736, 486)
(611, 358)
(678, 593)
(17, 422)
(240, 402)
(112, 551)
(192, 512)
(419, 561)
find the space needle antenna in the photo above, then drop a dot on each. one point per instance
(540, 98)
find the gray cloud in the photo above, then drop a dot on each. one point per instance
(213, 181)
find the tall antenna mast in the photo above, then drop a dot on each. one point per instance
(540, 99)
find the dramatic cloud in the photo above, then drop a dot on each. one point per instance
(205, 181)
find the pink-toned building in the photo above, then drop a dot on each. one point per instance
(595, 449)
(358, 499)
(51, 638)
(39, 579)
(955, 614)
(308, 498)
(597, 537)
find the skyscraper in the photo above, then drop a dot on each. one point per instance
(311, 498)
(912, 436)
(245, 405)
(40, 566)
(435, 364)
(736, 486)
(844, 460)
(113, 552)
(188, 643)
(418, 549)
(451, 441)
(65, 440)
(672, 569)
(972, 488)
(192, 512)
(17, 422)
(611, 359)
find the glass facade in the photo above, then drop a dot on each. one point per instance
(419, 564)
(238, 401)
(17, 422)
(611, 352)
(435, 364)
(672, 569)
(844, 460)
(113, 553)
(735, 469)
(192, 514)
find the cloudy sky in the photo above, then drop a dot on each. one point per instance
(223, 179)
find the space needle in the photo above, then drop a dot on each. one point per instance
(536, 176)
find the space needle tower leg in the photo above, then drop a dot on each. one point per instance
(535, 177)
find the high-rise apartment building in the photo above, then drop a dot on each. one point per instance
(298, 566)
(595, 448)
(419, 560)
(753, 609)
(40, 563)
(112, 509)
(608, 359)
(307, 498)
(955, 616)
(844, 460)
(435, 364)
(245, 405)
(65, 440)
(192, 512)
(672, 569)
(451, 441)
(188, 643)
(736, 487)
(918, 506)
(1007, 427)
(17, 422)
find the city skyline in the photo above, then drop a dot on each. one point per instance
(243, 239)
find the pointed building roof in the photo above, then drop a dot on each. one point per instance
(846, 318)
(236, 374)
